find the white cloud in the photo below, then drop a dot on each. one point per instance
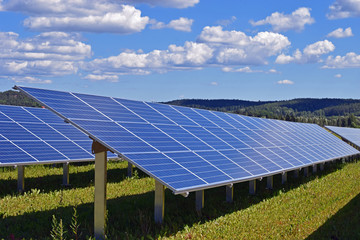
(47, 54)
(338, 75)
(284, 22)
(30, 80)
(344, 9)
(350, 60)
(213, 48)
(166, 3)
(341, 33)
(235, 47)
(214, 83)
(286, 82)
(125, 21)
(81, 15)
(311, 53)
(181, 24)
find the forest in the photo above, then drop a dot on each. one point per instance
(325, 111)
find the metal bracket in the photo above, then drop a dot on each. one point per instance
(98, 147)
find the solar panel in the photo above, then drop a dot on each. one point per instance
(350, 134)
(189, 149)
(36, 135)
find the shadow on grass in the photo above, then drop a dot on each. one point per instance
(51, 183)
(345, 224)
(131, 217)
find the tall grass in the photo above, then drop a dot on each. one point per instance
(319, 206)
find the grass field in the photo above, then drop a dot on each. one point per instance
(322, 206)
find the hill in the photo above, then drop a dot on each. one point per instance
(326, 111)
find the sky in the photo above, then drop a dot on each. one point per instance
(157, 50)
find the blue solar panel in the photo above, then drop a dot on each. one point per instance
(36, 135)
(189, 149)
(350, 134)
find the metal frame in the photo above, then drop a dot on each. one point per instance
(100, 194)
(130, 168)
(199, 200)
(270, 182)
(306, 171)
(21, 179)
(230, 193)
(159, 203)
(252, 187)
(66, 181)
(314, 168)
(284, 178)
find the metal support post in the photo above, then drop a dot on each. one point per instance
(229, 193)
(306, 171)
(159, 202)
(270, 182)
(100, 190)
(296, 173)
(130, 169)
(66, 181)
(314, 168)
(284, 178)
(252, 187)
(322, 166)
(199, 200)
(20, 180)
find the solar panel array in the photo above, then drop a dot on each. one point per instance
(350, 134)
(38, 136)
(189, 149)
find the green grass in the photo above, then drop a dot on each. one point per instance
(323, 206)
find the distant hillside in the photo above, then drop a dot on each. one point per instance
(337, 112)
(15, 98)
(324, 106)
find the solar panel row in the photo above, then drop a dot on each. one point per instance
(350, 134)
(35, 135)
(189, 149)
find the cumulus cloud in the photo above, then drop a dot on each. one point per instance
(286, 82)
(214, 47)
(350, 60)
(311, 53)
(284, 22)
(83, 16)
(214, 83)
(167, 3)
(338, 75)
(47, 54)
(344, 9)
(181, 24)
(341, 33)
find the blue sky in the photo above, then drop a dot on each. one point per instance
(156, 50)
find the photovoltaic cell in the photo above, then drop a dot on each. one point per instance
(35, 135)
(189, 149)
(350, 134)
